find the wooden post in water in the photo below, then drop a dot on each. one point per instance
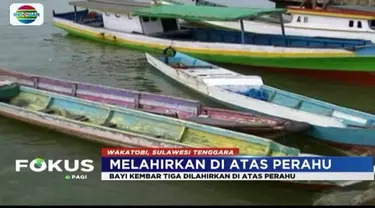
(242, 32)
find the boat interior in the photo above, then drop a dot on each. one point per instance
(253, 87)
(209, 34)
(135, 122)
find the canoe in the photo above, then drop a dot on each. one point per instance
(126, 127)
(331, 123)
(190, 110)
(152, 28)
(118, 126)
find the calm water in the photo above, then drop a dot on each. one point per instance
(48, 51)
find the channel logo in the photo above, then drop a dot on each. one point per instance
(26, 14)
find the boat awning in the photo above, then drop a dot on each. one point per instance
(112, 6)
(208, 13)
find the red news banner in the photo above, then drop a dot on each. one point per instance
(118, 152)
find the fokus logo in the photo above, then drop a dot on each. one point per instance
(66, 166)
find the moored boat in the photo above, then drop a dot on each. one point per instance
(117, 126)
(331, 123)
(264, 126)
(124, 127)
(152, 28)
(345, 22)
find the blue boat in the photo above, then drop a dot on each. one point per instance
(332, 123)
(119, 126)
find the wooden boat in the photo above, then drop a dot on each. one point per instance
(125, 127)
(330, 122)
(353, 22)
(190, 110)
(152, 28)
(118, 126)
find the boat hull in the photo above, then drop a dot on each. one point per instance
(322, 68)
(107, 137)
(128, 127)
(349, 141)
(318, 60)
(351, 77)
(338, 134)
(272, 25)
(352, 141)
(290, 29)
